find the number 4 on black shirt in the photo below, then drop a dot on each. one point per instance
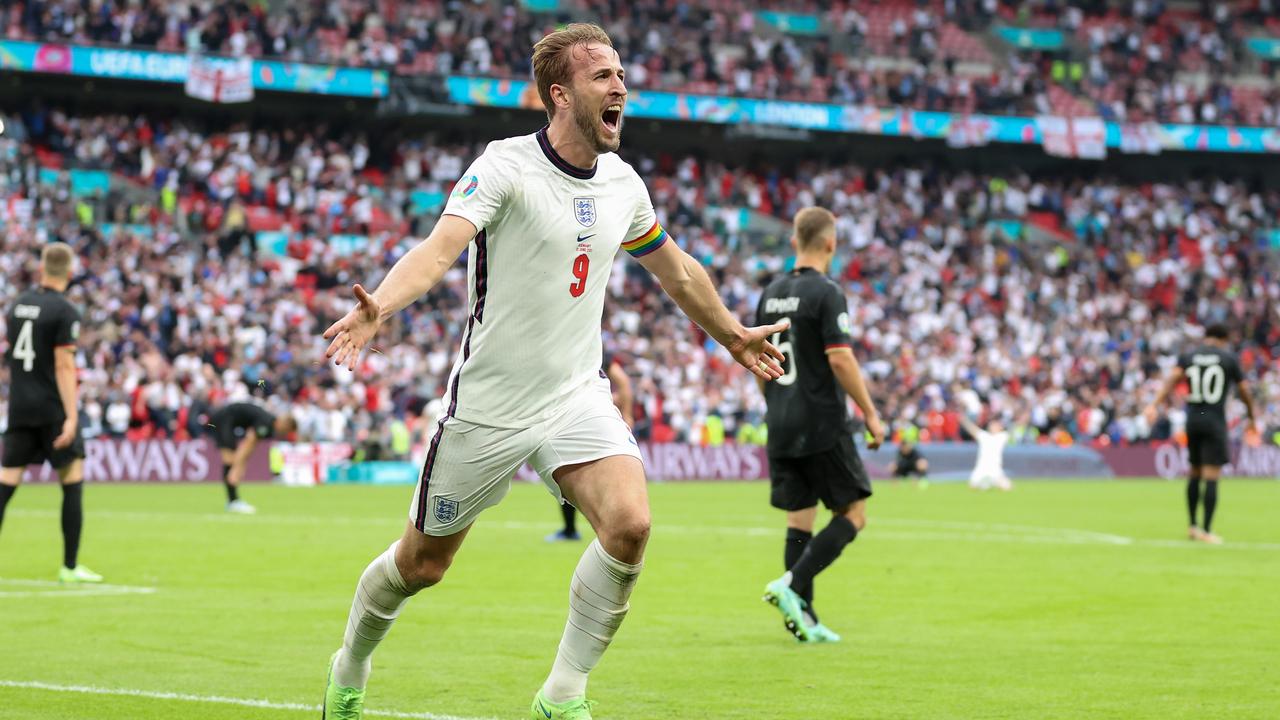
(40, 322)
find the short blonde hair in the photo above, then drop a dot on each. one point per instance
(552, 61)
(55, 259)
(811, 224)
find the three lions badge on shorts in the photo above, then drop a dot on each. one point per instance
(445, 510)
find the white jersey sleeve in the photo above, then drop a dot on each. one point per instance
(482, 195)
(645, 234)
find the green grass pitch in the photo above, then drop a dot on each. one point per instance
(1057, 600)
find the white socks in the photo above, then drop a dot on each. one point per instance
(597, 604)
(379, 596)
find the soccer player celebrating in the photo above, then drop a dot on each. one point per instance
(543, 216)
(988, 471)
(622, 398)
(1210, 370)
(811, 451)
(236, 429)
(43, 399)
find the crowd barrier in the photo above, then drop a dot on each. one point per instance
(129, 64)
(157, 461)
(1089, 137)
(187, 461)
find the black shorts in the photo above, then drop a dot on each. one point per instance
(228, 438)
(1207, 445)
(902, 470)
(835, 476)
(25, 446)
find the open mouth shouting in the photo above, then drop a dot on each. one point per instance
(611, 118)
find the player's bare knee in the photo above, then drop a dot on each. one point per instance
(635, 530)
(856, 514)
(424, 572)
(626, 538)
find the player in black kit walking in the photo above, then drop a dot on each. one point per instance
(44, 421)
(1210, 371)
(811, 451)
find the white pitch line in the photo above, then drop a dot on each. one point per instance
(525, 525)
(963, 530)
(59, 594)
(59, 590)
(214, 699)
(55, 583)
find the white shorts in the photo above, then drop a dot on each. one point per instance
(469, 467)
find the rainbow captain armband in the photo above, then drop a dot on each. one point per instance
(648, 242)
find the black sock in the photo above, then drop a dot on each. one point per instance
(570, 518)
(72, 521)
(1193, 497)
(1210, 502)
(6, 492)
(797, 541)
(823, 550)
(233, 493)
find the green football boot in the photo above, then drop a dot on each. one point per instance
(341, 703)
(578, 709)
(822, 634)
(780, 595)
(78, 574)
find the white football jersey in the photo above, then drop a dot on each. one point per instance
(991, 451)
(537, 272)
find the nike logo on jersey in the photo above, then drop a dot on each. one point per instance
(584, 238)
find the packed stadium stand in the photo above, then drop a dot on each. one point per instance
(1149, 62)
(1053, 300)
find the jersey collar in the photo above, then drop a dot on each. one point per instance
(560, 163)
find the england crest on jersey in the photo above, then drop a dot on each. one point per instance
(445, 510)
(584, 209)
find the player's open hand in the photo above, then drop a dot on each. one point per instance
(67, 436)
(354, 330)
(755, 353)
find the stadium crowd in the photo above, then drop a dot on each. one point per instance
(1062, 330)
(1143, 63)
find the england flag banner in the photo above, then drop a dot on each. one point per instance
(220, 80)
(1084, 137)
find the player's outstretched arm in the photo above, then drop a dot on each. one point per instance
(847, 370)
(687, 283)
(1171, 382)
(622, 397)
(970, 426)
(1246, 395)
(410, 278)
(64, 373)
